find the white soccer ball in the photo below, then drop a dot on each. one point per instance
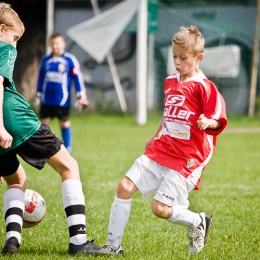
(35, 208)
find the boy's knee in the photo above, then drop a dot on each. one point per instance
(161, 210)
(17, 180)
(70, 165)
(72, 168)
(126, 188)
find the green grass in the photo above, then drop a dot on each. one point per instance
(105, 147)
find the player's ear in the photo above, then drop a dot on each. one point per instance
(2, 27)
(200, 57)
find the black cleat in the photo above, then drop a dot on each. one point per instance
(11, 246)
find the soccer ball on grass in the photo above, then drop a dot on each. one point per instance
(35, 208)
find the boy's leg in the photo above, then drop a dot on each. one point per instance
(67, 138)
(184, 217)
(13, 210)
(143, 176)
(119, 216)
(73, 202)
(173, 194)
(198, 225)
(66, 134)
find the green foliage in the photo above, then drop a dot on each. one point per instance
(105, 147)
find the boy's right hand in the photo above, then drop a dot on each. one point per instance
(5, 138)
(37, 101)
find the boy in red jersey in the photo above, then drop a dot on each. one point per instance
(171, 167)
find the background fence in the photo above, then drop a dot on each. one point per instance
(229, 27)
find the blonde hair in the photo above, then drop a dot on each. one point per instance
(190, 38)
(56, 35)
(10, 18)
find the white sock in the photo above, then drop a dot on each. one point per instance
(13, 210)
(119, 216)
(185, 217)
(74, 206)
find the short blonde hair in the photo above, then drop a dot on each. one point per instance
(56, 35)
(10, 18)
(190, 38)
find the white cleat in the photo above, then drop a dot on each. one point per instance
(197, 236)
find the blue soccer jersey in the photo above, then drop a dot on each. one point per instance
(55, 79)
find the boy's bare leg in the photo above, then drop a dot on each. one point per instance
(17, 180)
(64, 164)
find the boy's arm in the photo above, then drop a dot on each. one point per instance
(81, 92)
(39, 84)
(40, 78)
(156, 135)
(5, 138)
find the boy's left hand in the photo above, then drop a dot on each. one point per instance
(203, 122)
(81, 103)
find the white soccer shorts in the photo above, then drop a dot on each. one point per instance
(168, 185)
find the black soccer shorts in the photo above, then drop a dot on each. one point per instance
(62, 113)
(36, 151)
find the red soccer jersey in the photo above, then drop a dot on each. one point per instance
(183, 147)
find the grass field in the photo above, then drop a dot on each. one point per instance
(105, 147)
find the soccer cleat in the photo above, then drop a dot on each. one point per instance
(108, 250)
(197, 236)
(89, 248)
(11, 246)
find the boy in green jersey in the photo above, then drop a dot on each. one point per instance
(21, 133)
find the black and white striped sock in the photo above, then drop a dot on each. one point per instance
(13, 210)
(74, 205)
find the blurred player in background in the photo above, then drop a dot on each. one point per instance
(56, 73)
(171, 167)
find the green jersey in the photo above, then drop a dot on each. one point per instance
(19, 120)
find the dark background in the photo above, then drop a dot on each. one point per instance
(31, 46)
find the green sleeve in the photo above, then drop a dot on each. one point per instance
(7, 59)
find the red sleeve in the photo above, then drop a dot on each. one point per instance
(214, 108)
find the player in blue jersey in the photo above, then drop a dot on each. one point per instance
(56, 73)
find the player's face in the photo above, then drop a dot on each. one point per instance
(185, 62)
(10, 36)
(57, 45)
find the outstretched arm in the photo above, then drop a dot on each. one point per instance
(5, 138)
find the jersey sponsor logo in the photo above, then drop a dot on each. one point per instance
(54, 77)
(175, 100)
(176, 112)
(11, 60)
(177, 133)
(190, 163)
(173, 110)
(176, 130)
(61, 67)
